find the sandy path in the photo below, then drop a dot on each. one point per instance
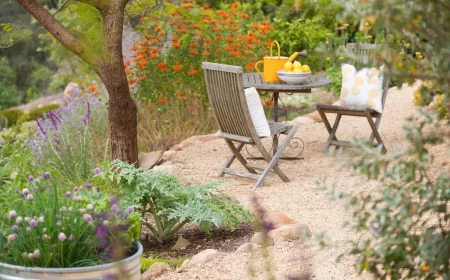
(300, 199)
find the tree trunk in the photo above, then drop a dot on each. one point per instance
(122, 115)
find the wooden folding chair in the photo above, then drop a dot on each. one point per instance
(363, 55)
(225, 87)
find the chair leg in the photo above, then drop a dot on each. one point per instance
(272, 164)
(236, 155)
(375, 131)
(377, 124)
(333, 132)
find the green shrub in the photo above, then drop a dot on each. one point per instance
(334, 73)
(39, 112)
(301, 35)
(404, 227)
(12, 116)
(171, 204)
(147, 262)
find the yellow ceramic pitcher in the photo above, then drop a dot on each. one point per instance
(271, 65)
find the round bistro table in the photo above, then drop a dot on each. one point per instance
(256, 81)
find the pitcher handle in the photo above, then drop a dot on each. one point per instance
(279, 51)
(257, 70)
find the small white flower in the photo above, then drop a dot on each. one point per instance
(106, 223)
(11, 238)
(90, 207)
(45, 237)
(25, 255)
(82, 210)
(41, 219)
(19, 220)
(37, 254)
(27, 219)
(30, 197)
(44, 230)
(30, 255)
(63, 209)
(69, 209)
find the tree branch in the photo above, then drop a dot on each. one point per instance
(62, 34)
(35, 31)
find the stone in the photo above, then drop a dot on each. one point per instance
(315, 116)
(166, 163)
(170, 169)
(303, 120)
(146, 161)
(248, 247)
(278, 219)
(181, 243)
(290, 232)
(204, 257)
(183, 266)
(156, 270)
(168, 155)
(208, 137)
(261, 239)
(187, 142)
(176, 148)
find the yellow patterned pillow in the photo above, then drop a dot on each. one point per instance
(363, 88)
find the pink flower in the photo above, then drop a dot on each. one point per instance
(61, 236)
(87, 218)
(12, 238)
(12, 214)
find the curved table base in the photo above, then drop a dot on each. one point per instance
(292, 152)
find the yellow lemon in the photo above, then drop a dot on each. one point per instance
(297, 70)
(305, 68)
(297, 64)
(288, 66)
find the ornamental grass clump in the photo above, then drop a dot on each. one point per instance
(46, 228)
(63, 140)
(165, 205)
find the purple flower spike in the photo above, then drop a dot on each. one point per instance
(17, 190)
(37, 181)
(33, 223)
(46, 175)
(75, 189)
(88, 186)
(30, 178)
(130, 209)
(97, 170)
(61, 236)
(113, 200)
(14, 228)
(114, 208)
(28, 229)
(87, 218)
(12, 214)
(102, 231)
(41, 128)
(68, 195)
(71, 237)
(85, 121)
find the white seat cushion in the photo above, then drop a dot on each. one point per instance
(363, 88)
(257, 112)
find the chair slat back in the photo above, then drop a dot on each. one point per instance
(363, 56)
(225, 87)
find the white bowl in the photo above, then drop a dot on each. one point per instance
(293, 78)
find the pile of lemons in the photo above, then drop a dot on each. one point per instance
(296, 67)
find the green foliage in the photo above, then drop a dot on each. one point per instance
(301, 34)
(12, 116)
(147, 262)
(40, 112)
(8, 92)
(334, 73)
(171, 204)
(405, 225)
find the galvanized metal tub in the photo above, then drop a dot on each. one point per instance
(130, 266)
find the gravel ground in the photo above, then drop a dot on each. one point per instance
(300, 199)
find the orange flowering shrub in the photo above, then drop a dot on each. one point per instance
(166, 63)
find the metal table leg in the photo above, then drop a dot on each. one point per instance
(276, 95)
